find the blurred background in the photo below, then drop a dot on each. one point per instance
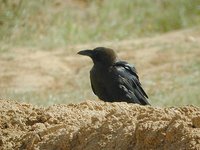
(39, 41)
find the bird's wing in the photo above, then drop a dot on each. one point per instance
(128, 76)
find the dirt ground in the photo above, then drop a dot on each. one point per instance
(169, 62)
(98, 125)
(26, 69)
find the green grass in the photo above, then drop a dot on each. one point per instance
(179, 83)
(183, 90)
(51, 24)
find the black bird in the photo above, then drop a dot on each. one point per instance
(113, 80)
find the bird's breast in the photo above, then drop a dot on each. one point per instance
(99, 74)
(102, 77)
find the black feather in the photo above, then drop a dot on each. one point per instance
(113, 80)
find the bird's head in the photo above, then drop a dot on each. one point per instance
(101, 56)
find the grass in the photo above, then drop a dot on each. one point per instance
(47, 25)
(39, 40)
(177, 83)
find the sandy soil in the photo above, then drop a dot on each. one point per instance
(98, 125)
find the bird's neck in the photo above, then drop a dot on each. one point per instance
(105, 64)
(102, 66)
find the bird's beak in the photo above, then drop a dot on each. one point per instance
(86, 52)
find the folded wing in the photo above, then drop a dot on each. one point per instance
(129, 82)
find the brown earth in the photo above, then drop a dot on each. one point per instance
(98, 125)
(169, 62)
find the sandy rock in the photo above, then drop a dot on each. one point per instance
(98, 125)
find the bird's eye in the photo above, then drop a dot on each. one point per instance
(95, 53)
(97, 56)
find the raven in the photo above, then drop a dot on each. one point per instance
(113, 80)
